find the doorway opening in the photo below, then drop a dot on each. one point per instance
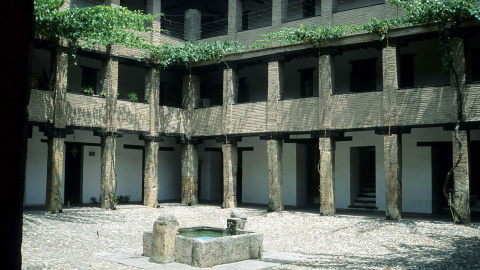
(73, 173)
(313, 176)
(442, 161)
(362, 177)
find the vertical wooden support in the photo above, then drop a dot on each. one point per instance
(230, 166)
(275, 175)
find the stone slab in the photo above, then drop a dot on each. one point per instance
(134, 258)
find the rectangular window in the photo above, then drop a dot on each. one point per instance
(363, 76)
(245, 20)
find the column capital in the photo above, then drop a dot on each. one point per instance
(393, 130)
(328, 133)
(151, 138)
(104, 133)
(50, 131)
(274, 136)
(192, 141)
(228, 139)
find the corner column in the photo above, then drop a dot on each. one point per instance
(189, 173)
(327, 175)
(56, 136)
(461, 183)
(392, 139)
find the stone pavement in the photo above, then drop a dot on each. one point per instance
(91, 238)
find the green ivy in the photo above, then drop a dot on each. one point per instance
(310, 34)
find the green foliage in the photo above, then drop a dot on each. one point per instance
(381, 28)
(132, 97)
(103, 94)
(123, 199)
(88, 91)
(91, 26)
(94, 200)
(310, 34)
(187, 53)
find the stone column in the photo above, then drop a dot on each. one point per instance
(150, 174)
(327, 175)
(328, 6)
(275, 94)
(327, 85)
(189, 174)
(152, 94)
(234, 18)
(112, 3)
(392, 146)
(461, 183)
(56, 136)
(279, 12)
(230, 166)
(193, 24)
(55, 159)
(66, 5)
(191, 92)
(275, 175)
(108, 141)
(461, 175)
(154, 7)
(107, 173)
(230, 97)
(164, 234)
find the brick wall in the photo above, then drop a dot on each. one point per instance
(40, 108)
(85, 111)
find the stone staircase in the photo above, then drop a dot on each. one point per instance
(366, 198)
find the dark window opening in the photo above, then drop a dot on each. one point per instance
(211, 94)
(245, 20)
(306, 82)
(475, 64)
(308, 7)
(342, 5)
(242, 90)
(89, 78)
(407, 70)
(363, 76)
(170, 97)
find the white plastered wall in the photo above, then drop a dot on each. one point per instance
(169, 171)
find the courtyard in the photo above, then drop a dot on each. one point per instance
(89, 237)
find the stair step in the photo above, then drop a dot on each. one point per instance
(365, 199)
(367, 194)
(367, 190)
(362, 206)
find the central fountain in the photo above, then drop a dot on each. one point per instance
(201, 246)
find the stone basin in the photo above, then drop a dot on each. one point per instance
(208, 246)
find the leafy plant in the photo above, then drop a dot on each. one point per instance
(124, 199)
(132, 97)
(88, 91)
(103, 94)
(93, 200)
(146, 99)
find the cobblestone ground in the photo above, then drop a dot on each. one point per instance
(72, 239)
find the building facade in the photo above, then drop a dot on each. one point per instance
(355, 123)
